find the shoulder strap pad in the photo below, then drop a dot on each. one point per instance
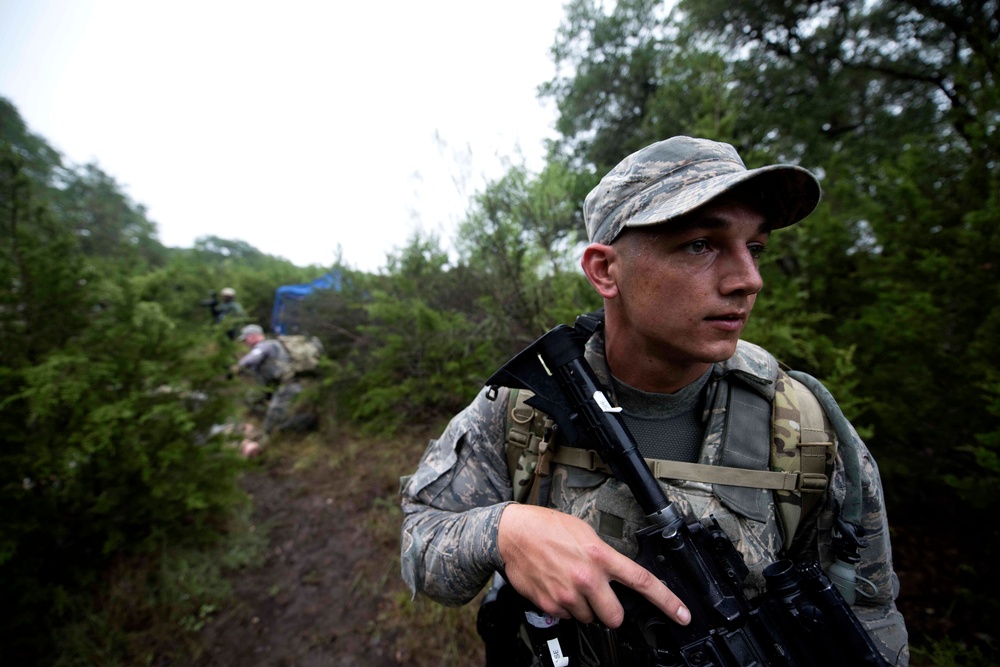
(526, 431)
(802, 440)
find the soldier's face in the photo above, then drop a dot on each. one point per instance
(686, 289)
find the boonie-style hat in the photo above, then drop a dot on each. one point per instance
(228, 291)
(251, 329)
(672, 178)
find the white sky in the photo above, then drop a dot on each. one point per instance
(295, 126)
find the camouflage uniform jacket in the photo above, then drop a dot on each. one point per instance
(230, 309)
(453, 502)
(269, 362)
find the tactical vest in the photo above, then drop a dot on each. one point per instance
(796, 464)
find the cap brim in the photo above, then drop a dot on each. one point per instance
(786, 193)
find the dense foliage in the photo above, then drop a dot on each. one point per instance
(894, 104)
(110, 386)
(111, 377)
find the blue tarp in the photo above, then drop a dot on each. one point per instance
(288, 302)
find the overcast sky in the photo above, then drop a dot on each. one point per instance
(294, 126)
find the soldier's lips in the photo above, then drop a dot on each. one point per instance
(727, 322)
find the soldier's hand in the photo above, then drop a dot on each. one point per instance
(558, 562)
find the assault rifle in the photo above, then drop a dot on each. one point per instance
(211, 303)
(801, 621)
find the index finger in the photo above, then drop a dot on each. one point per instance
(642, 581)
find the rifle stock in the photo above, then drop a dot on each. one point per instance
(801, 621)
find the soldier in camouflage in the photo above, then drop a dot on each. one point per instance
(270, 364)
(227, 312)
(676, 231)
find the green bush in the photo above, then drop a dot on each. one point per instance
(419, 363)
(107, 455)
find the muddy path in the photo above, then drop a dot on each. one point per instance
(302, 605)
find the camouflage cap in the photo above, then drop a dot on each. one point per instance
(250, 330)
(674, 177)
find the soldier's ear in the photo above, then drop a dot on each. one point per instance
(599, 264)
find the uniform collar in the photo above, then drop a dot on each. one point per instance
(754, 365)
(751, 363)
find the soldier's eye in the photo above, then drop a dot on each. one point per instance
(697, 247)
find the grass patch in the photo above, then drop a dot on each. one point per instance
(948, 653)
(150, 609)
(365, 475)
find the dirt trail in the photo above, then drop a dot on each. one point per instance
(300, 607)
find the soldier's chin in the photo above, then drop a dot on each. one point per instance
(721, 352)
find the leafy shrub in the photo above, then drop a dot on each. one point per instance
(106, 455)
(418, 364)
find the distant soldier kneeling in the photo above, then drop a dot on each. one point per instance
(271, 364)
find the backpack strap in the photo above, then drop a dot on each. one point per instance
(529, 454)
(745, 445)
(802, 441)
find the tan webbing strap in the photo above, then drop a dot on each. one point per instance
(524, 424)
(579, 458)
(539, 494)
(817, 446)
(696, 472)
(802, 441)
(693, 472)
(518, 427)
(529, 453)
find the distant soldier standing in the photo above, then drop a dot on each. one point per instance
(228, 311)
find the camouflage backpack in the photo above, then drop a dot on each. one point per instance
(802, 450)
(304, 351)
